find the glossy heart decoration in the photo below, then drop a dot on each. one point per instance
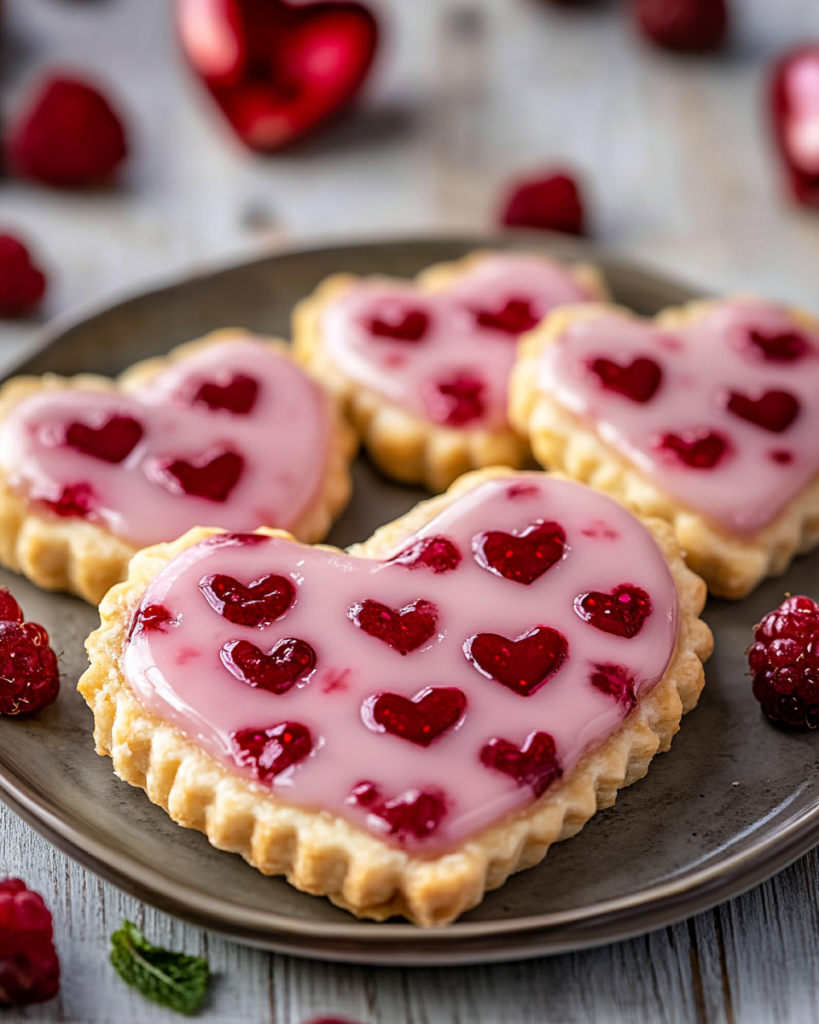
(521, 557)
(276, 69)
(233, 434)
(623, 612)
(715, 407)
(417, 695)
(794, 97)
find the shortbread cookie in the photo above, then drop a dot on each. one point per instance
(403, 726)
(706, 416)
(422, 366)
(226, 431)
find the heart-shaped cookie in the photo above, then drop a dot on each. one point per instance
(419, 705)
(713, 409)
(277, 69)
(228, 431)
(422, 366)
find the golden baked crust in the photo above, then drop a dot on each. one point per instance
(731, 566)
(83, 557)
(407, 447)
(327, 856)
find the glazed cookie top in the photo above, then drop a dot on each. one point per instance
(427, 695)
(446, 355)
(720, 412)
(233, 435)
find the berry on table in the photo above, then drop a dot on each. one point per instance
(68, 135)
(22, 283)
(29, 967)
(551, 203)
(687, 26)
(784, 661)
(29, 673)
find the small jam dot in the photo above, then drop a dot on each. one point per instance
(521, 490)
(186, 654)
(335, 680)
(669, 343)
(782, 456)
(601, 530)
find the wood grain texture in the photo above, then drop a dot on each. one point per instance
(469, 94)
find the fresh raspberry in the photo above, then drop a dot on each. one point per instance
(22, 283)
(552, 203)
(784, 661)
(687, 26)
(68, 135)
(29, 675)
(29, 968)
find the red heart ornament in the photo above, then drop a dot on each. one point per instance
(212, 478)
(276, 69)
(419, 765)
(794, 100)
(237, 396)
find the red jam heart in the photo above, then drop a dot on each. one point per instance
(784, 347)
(75, 500)
(623, 612)
(269, 752)
(524, 664)
(257, 604)
(522, 557)
(455, 402)
(238, 396)
(514, 318)
(774, 410)
(421, 720)
(154, 618)
(615, 681)
(415, 812)
(276, 672)
(638, 380)
(112, 442)
(413, 726)
(535, 764)
(436, 553)
(552, 203)
(277, 69)
(411, 327)
(213, 479)
(701, 449)
(403, 630)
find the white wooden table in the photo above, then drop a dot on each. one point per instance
(680, 175)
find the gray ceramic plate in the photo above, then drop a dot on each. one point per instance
(733, 802)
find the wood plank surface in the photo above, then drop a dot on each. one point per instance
(468, 95)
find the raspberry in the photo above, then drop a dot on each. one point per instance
(22, 283)
(68, 135)
(552, 203)
(687, 26)
(29, 675)
(784, 661)
(29, 968)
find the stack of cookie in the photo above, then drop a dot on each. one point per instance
(401, 726)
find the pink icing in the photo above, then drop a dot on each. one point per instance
(693, 437)
(281, 444)
(462, 773)
(455, 370)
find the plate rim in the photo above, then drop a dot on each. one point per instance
(553, 932)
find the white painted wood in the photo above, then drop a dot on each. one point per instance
(468, 94)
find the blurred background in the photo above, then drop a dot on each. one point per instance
(673, 152)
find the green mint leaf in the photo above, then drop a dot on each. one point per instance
(172, 979)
